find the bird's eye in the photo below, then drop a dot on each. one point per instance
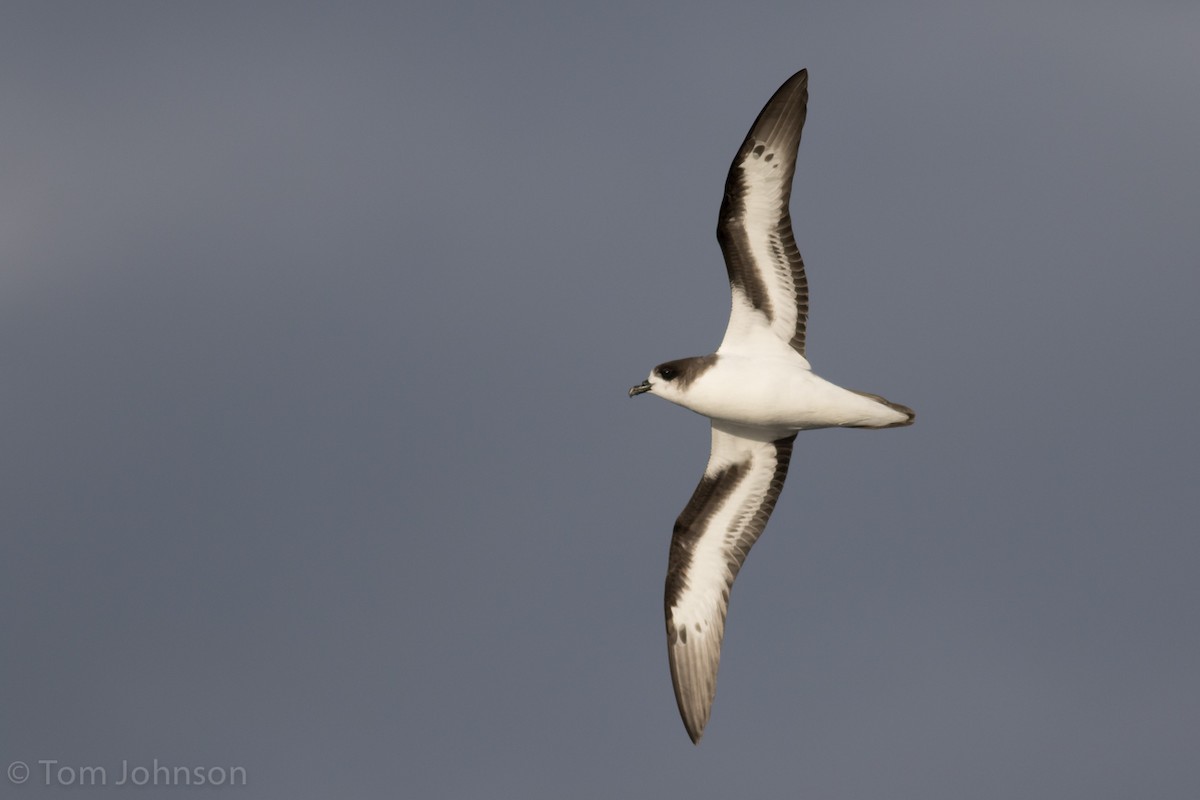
(667, 373)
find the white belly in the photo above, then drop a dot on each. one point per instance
(779, 393)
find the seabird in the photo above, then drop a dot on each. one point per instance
(758, 390)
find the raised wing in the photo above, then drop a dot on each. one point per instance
(766, 272)
(712, 537)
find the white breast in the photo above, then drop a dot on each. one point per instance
(778, 393)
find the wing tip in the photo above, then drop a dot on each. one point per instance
(694, 678)
(694, 715)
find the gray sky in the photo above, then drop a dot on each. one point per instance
(316, 326)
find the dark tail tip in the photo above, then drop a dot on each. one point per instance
(905, 410)
(912, 415)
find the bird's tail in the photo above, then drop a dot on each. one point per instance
(908, 414)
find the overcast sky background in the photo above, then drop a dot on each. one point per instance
(316, 327)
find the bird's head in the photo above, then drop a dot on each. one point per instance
(669, 379)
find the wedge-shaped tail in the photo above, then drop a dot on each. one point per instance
(909, 414)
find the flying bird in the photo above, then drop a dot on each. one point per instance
(758, 390)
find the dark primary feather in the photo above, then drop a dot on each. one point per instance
(775, 136)
(695, 655)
